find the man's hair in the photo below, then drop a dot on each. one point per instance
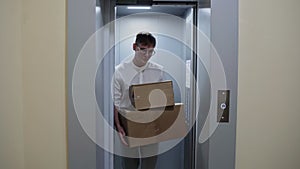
(145, 38)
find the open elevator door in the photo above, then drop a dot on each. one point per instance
(185, 47)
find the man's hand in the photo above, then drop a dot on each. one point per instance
(119, 127)
(122, 134)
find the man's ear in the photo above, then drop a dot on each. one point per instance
(134, 46)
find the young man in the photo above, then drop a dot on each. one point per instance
(136, 71)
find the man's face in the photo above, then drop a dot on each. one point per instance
(144, 52)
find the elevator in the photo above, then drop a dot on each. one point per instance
(185, 30)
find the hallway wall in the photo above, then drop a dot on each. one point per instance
(32, 72)
(11, 106)
(44, 83)
(268, 134)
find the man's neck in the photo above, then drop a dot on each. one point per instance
(137, 63)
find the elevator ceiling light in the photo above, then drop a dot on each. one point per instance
(138, 7)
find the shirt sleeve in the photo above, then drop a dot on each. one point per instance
(116, 89)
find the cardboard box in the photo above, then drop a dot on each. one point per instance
(152, 95)
(154, 125)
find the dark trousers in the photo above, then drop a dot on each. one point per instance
(133, 163)
(143, 156)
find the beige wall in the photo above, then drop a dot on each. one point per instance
(33, 115)
(268, 125)
(11, 107)
(44, 56)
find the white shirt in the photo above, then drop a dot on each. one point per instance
(128, 73)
